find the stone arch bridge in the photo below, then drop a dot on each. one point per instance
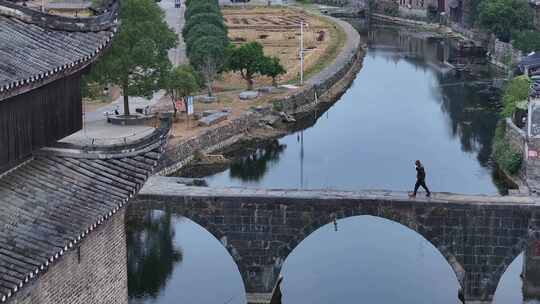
(478, 235)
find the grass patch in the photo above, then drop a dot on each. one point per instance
(331, 53)
(506, 157)
(515, 91)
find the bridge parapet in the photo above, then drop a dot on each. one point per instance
(478, 235)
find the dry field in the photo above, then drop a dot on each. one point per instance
(278, 30)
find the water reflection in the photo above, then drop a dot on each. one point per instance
(405, 104)
(172, 260)
(151, 254)
(253, 166)
(394, 265)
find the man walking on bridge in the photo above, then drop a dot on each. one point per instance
(420, 179)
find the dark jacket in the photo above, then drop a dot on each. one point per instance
(420, 173)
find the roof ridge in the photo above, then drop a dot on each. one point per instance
(104, 21)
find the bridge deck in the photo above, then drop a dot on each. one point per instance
(158, 186)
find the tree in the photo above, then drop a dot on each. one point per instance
(202, 8)
(247, 60)
(137, 59)
(208, 57)
(205, 30)
(189, 3)
(200, 19)
(271, 67)
(179, 84)
(502, 16)
(527, 41)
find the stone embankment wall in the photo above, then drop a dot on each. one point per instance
(178, 155)
(501, 53)
(95, 273)
(515, 136)
(316, 89)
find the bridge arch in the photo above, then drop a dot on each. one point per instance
(407, 221)
(478, 238)
(385, 227)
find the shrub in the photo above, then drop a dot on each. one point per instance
(515, 91)
(506, 157)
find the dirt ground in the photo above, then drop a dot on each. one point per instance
(278, 30)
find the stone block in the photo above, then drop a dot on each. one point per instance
(213, 119)
(268, 89)
(207, 99)
(248, 95)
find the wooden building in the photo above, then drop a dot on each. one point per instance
(42, 58)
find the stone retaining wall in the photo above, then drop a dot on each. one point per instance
(515, 136)
(501, 52)
(179, 154)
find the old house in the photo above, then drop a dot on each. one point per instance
(62, 234)
(41, 63)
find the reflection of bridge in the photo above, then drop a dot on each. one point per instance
(478, 235)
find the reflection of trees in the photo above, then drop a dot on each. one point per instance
(255, 165)
(151, 253)
(472, 111)
(470, 103)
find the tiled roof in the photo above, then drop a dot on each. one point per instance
(38, 48)
(53, 201)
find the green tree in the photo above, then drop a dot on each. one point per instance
(200, 19)
(179, 84)
(201, 8)
(208, 57)
(501, 17)
(271, 67)
(527, 41)
(205, 30)
(515, 91)
(137, 59)
(247, 60)
(189, 3)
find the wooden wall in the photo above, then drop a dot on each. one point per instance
(37, 118)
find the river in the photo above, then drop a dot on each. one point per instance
(405, 104)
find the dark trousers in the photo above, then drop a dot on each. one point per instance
(421, 182)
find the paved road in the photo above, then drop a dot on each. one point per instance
(175, 20)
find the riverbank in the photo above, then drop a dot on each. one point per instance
(276, 116)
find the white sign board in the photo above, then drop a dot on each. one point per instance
(190, 107)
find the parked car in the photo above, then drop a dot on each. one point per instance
(177, 3)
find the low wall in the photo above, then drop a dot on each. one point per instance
(95, 273)
(179, 154)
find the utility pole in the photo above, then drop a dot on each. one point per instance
(302, 52)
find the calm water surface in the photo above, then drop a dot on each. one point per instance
(404, 105)
(174, 260)
(401, 107)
